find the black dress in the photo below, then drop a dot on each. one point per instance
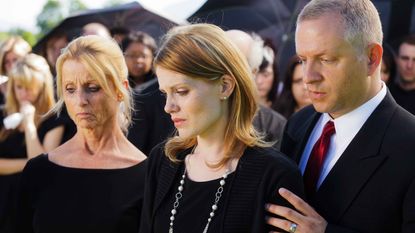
(63, 199)
(14, 147)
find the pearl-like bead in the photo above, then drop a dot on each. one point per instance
(172, 218)
(214, 207)
(173, 211)
(222, 182)
(212, 214)
(180, 188)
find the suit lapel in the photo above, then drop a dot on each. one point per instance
(303, 132)
(356, 165)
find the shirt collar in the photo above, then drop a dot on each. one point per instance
(350, 123)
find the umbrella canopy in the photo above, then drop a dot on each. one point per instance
(275, 19)
(132, 16)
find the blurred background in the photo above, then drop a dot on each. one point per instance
(37, 20)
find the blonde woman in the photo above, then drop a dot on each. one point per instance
(217, 174)
(11, 50)
(30, 96)
(93, 182)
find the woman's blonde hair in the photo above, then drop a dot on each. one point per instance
(104, 61)
(14, 44)
(32, 71)
(203, 51)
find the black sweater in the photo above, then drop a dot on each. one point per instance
(259, 175)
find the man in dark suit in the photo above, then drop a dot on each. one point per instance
(355, 145)
(150, 124)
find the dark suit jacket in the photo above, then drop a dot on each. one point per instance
(371, 188)
(150, 124)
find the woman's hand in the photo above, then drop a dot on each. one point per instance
(28, 112)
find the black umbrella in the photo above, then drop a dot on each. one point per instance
(273, 20)
(131, 16)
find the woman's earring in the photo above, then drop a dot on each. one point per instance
(224, 98)
(120, 97)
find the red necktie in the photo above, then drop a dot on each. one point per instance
(316, 159)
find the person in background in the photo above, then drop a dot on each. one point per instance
(95, 29)
(53, 48)
(139, 49)
(217, 174)
(294, 95)
(30, 96)
(388, 68)
(355, 144)
(403, 90)
(11, 50)
(267, 78)
(119, 34)
(93, 182)
(267, 121)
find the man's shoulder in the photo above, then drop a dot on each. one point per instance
(302, 117)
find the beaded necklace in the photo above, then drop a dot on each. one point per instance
(179, 195)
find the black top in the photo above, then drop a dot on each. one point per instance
(61, 199)
(14, 147)
(258, 176)
(194, 207)
(404, 98)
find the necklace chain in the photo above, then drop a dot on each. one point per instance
(179, 195)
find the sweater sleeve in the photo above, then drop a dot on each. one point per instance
(154, 162)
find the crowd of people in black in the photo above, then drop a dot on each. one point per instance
(201, 133)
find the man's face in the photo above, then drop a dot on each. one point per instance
(336, 79)
(406, 63)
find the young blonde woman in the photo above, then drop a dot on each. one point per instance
(11, 50)
(30, 96)
(217, 174)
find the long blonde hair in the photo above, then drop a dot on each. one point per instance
(104, 61)
(33, 70)
(14, 44)
(203, 51)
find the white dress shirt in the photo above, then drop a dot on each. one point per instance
(347, 126)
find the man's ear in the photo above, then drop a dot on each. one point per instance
(375, 52)
(227, 84)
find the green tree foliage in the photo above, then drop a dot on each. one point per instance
(76, 6)
(110, 3)
(26, 35)
(50, 16)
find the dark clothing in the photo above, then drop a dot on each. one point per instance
(150, 124)
(197, 196)
(259, 174)
(14, 147)
(271, 124)
(404, 98)
(63, 199)
(371, 188)
(149, 76)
